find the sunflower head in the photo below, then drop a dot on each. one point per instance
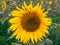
(30, 23)
(4, 5)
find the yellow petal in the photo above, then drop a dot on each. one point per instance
(19, 34)
(46, 21)
(42, 10)
(35, 37)
(30, 6)
(40, 6)
(46, 12)
(22, 36)
(31, 36)
(13, 27)
(46, 31)
(27, 38)
(18, 8)
(37, 6)
(15, 20)
(16, 13)
(25, 5)
(15, 33)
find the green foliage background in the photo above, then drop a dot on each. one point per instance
(52, 39)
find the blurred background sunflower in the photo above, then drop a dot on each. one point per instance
(6, 6)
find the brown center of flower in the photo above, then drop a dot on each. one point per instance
(30, 23)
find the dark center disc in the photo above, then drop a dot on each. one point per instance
(30, 23)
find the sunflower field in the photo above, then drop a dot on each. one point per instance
(29, 22)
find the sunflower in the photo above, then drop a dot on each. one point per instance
(29, 23)
(4, 5)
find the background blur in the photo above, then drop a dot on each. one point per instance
(53, 6)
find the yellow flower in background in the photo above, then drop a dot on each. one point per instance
(50, 2)
(49, 8)
(30, 23)
(4, 5)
